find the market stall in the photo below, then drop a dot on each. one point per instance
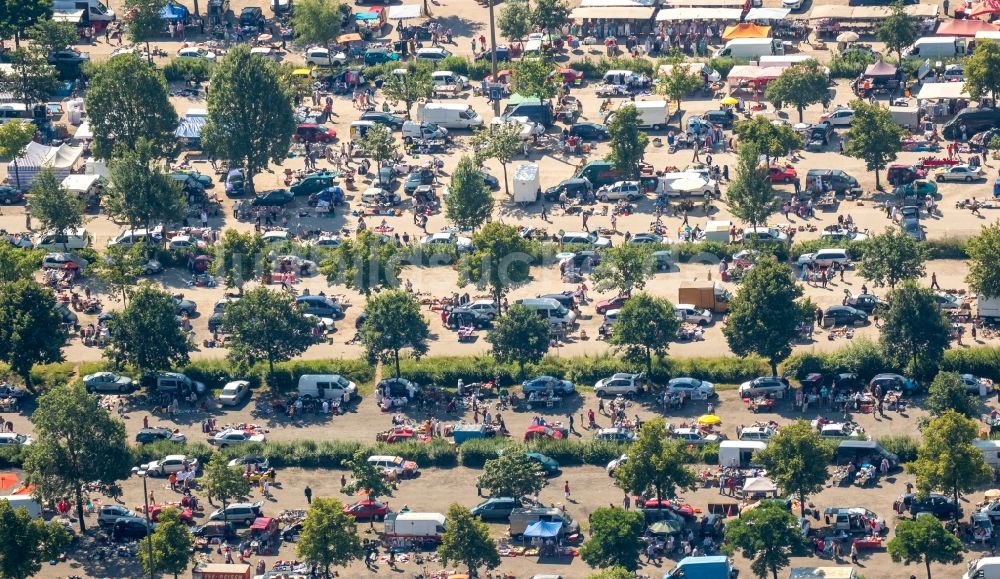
(746, 30)
(967, 28)
(404, 12)
(942, 90)
(680, 14)
(640, 13)
(36, 157)
(766, 14)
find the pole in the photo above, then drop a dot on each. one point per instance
(493, 55)
(149, 524)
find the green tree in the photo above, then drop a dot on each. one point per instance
(409, 88)
(239, 257)
(515, 20)
(120, 268)
(140, 193)
(768, 536)
(550, 15)
(984, 253)
(127, 100)
(914, 330)
(16, 263)
(796, 460)
(533, 77)
(223, 482)
(367, 263)
(891, 257)
(14, 139)
(17, 16)
(467, 541)
(30, 330)
(646, 325)
(897, 30)
(656, 464)
(317, 22)
(250, 118)
(172, 545)
(763, 316)
(501, 142)
(366, 477)
(329, 536)
(512, 474)
(26, 543)
(285, 335)
(751, 195)
(982, 70)
(800, 85)
(394, 322)
(501, 260)
(679, 83)
(925, 540)
(54, 207)
(77, 443)
(30, 79)
(628, 143)
(874, 137)
(48, 36)
(379, 144)
(151, 313)
(947, 460)
(948, 392)
(144, 22)
(613, 573)
(521, 336)
(469, 202)
(623, 269)
(770, 140)
(614, 538)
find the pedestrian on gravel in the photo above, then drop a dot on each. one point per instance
(309, 495)
(566, 489)
(627, 502)
(571, 429)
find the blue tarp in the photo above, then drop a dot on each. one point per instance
(190, 127)
(543, 530)
(173, 12)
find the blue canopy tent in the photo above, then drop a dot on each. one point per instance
(543, 530)
(175, 12)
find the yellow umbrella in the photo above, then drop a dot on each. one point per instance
(993, 494)
(729, 101)
(709, 420)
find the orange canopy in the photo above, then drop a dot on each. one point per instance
(746, 30)
(8, 480)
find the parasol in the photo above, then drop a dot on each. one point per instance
(351, 37)
(709, 420)
(666, 527)
(263, 38)
(729, 101)
(848, 37)
(993, 494)
(688, 184)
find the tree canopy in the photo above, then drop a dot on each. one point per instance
(379, 144)
(151, 313)
(467, 541)
(656, 464)
(26, 543)
(771, 140)
(500, 142)
(469, 202)
(550, 15)
(30, 331)
(329, 536)
(239, 257)
(532, 77)
(394, 322)
(925, 540)
(646, 325)
(286, 333)
(769, 536)
(172, 545)
(501, 260)
(947, 460)
(520, 335)
(679, 83)
(948, 392)
(512, 474)
(223, 482)
(514, 20)
(317, 22)
(763, 316)
(614, 538)
(627, 142)
(982, 70)
(796, 459)
(54, 207)
(17, 16)
(409, 88)
(140, 193)
(144, 22)
(751, 195)
(897, 30)
(623, 268)
(984, 253)
(800, 85)
(30, 79)
(891, 257)
(915, 333)
(367, 263)
(367, 477)
(14, 139)
(875, 137)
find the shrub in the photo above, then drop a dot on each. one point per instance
(850, 66)
(456, 64)
(983, 362)
(196, 69)
(475, 453)
(861, 356)
(946, 248)
(724, 64)
(905, 447)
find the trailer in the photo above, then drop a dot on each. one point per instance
(222, 571)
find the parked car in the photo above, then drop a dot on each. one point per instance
(108, 514)
(367, 510)
(238, 513)
(260, 462)
(972, 383)
(433, 54)
(311, 133)
(234, 393)
(839, 117)
(765, 234)
(130, 528)
(604, 306)
(546, 384)
(147, 435)
(947, 301)
(108, 382)
(782, 174)
(764, 385)
(9, 195)
(11, 439)
(235, 437)
(627, 190)
(548, 465)
(68, 56)
(184, 307)
(964, 173)
(694, 436)
(692, 388)
(252, 17)
(616, 435)
(496, 508)
(170, 464)
(589, 131)
(320, 56)
(318, 305)
(273, 198)
(889, 382)
(843, 316)
(621, 384)
(312, 183)
(615, 463)
(388, 119)
(938, 505)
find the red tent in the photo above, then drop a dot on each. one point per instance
(964, 27)
(986, 7)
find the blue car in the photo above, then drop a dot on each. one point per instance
(548, 384)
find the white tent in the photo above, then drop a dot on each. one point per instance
(83, 132)
(759, 484)
(613, 13)
(36, 157)
(79, 184)
(404, 12)
(592, 3)
(669, 14)
(942, 90)
(767, 14)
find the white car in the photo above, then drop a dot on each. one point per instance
(953, 73)
(196, 52)
(446, 238)
(765, 234)
(234, 392)
(108, 382)
(841, 430)
(694, 436)
(487, 308)
(169, 464)
(692, 388)
(233, 436)
(758, 433)
(615, 463)
(947, 301)
(792, 4)
(691, 314)
(14, 439)
(616, 435)
(185, 242)
(627, 190)
(627, 385)
(320, 56)
(959, 173)
(327, 241)
(432, 54)
(764, 385)
(839, 117)
(276, 236)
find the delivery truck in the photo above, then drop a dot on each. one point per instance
(222, 571)
(704, 294)
(709, 567)
(424, 528)
(652, 114)
(751, 48)
(906, 117)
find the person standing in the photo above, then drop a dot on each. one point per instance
(309, 495)
(566, 489)
(934, 281)
(627, 502)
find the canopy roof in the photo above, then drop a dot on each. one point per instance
(613, 13)
(942, 90)
(990, 7)
(880, 69)
(172, 11)
(749, 72)
(768, 13)
(759, 484)
(79, 183)
(699, 14)
(543, 530)
(964, 27)
(746, 30)
(593, 3)
(869, 12)
(404, 11)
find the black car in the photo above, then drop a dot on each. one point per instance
(147, 435)
(723, 118)
(492, 182)
(503, 53)
(129, 528)
(398, 387)
(585, 260)
(940, 506)
(10, 195)
(589, 131)
(388, 119)
(496, 508)
(273, 198)
(843, 316)
(462, 317)
(252, 17)
(573, 187)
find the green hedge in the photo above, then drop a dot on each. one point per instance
(724, 64)
(983, 362)
(595, 69)
(946, 248)
(197, 69)
(905, 447)
(850, 66)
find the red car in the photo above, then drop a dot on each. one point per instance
(308, 133)
(367, 509)
(615, 303)
(537, 431)
(186, 514)
(782, 174)
(684, 510)
(570, 76)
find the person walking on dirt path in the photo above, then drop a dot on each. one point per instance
(566, 489)
(934, 281)
(309, 495)
(571, 429)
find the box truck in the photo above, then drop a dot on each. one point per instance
(739, 453)
(222, 571)
(26, 502)
(652, 114)
(708, 567)
(449, 116)
(906, 116)
(527, 183)
(987, 307)
(93, 10)
(751, 48)
(936, 47)
(420, 527)
(704, 294)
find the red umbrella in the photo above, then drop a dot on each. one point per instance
(985, 7)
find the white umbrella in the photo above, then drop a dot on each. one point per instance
(689, 184)
(848, 37)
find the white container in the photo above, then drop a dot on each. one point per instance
(527, 183)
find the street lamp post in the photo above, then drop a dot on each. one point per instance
(149, 524)
(493, 55)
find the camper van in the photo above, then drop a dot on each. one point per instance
(936, 47)
(652, 114)
(739, 453)
(751, 48)
(449, 116)
(326, 386)
(422, 527)
(551, 310)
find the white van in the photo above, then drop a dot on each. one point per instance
(556, 313)
(652, 114)
(533, 49)
(421, 131)
(448, 115)
(622, 77)
(95, 10)
(15, 112)
(360, 128)
(985, 568)
(130, 237)
(739, 453)
(394, 465)
(751, 48)
(825, 257)
(326, 386)
(26, 502)
(936, 47)
(73, 239)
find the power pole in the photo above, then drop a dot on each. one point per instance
(493, 56)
